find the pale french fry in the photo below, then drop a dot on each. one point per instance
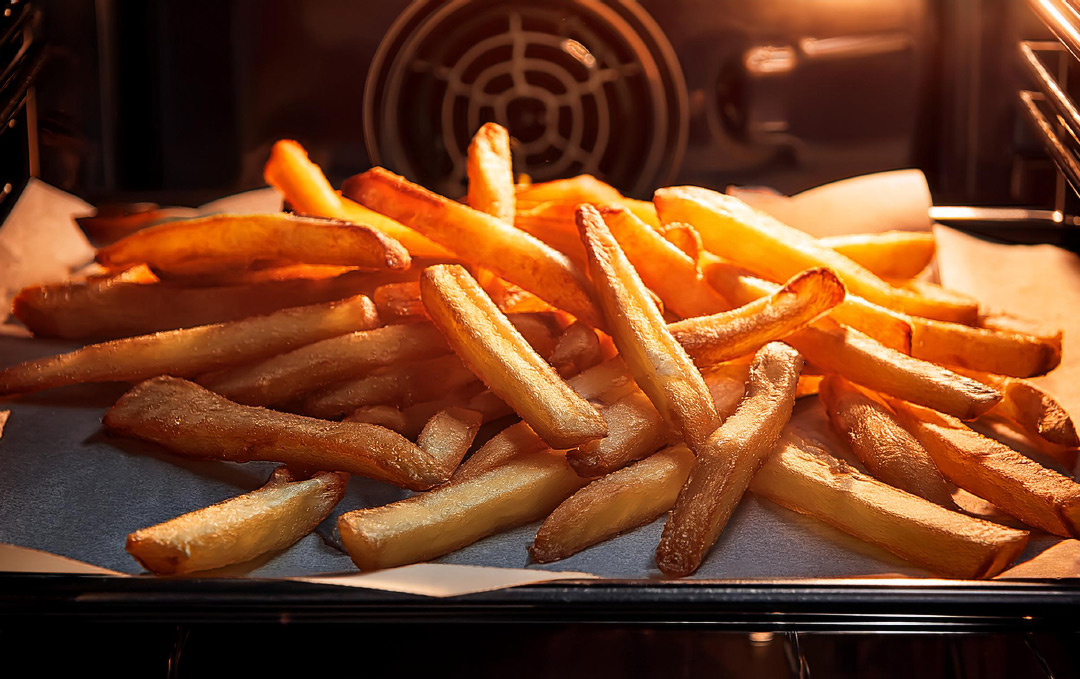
(431, 524)
(663, 268)
(729, 460)
(382, 415)
(994, 351)
(1021, 487)
(399, 303)
(887, 450)
(491, 177)
(111, 308)
(889, 254)
(479, 238)
(628, 498)
(449, 433)
(731, 334)
(844, 351)
(753, 239)
(658, 363)
(807, 480)
(290, 171)
(239, 529)
(225, 242)
(192, 351)
(576, 350)
(493, 349)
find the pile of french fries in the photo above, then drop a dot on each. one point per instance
(650, 355)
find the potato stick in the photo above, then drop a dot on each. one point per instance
(227, 241)
(493, 349)
(995, 351)
(643, 210)
(809, 385)
(193, 422)
(933, 291)
(736, 285)
(729, 460)
(400, 384)
(583, 188)
(491, 177)
(489, 405)
(889, 254)
(731, 334)
(472, 397)
(751, 238)
(1021, 487)
(432, 524)
(846, 352)
(625, 499)
(887, 450)
(265, 272)
(290, 171)
(291, 374)
(480, 238)
(239, 529)
(809, 481)
(997, 320)
(417, 244)
(553, 223)
(382, 415)
(684, 237)
(192, 351)
(111, 308)
(399, 303)
(577, 349)
(658, 363)
(449, 433)
(663, 267)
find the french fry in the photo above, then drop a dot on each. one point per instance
(491, 176)
(684, 237)
(225, 242)
(807, 480)
(399, 303)
(382, 415)
(193, 422)
(809, 385)
(480, 238)
(1021, 487)
(417, 244)
(449, 433)
(583, 188)
(753, 239)
(729, 460)
(997, 320)
(625, 499)
(493, 349)
(239, 529)
(887, 450)
(192, 351)
(431, 524)
(576, 350)
(844, 351)
(553, 223)
(889, 254)
(111, 308)
(290, 171)
(658, 363)
(731, 334)
(938, 294)
(988, 350)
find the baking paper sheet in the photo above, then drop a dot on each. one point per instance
(71, 490)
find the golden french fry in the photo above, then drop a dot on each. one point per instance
(227, 241)
(625, 499)
(194, 422)
(753, 239)
(493, 349)
(889, 254)
(1021, 487)
(290, 171)
(994, 351)
(265, 272)
(809, 385)
(411, 420)
(583, 188)
(480, 238)
(807, 480)
(192, 351)
(449, 433)
(997, 320)
(934, 292)
(491, 176)
(663, 268)
(729, 460)
(731, 334)
(844, 351)
(414, 242)
(576, 350)
(684, 237)
(553, 223)
(431, 524)
(887, 450)
(382, 415)
(399, 303)
(239, 529)
(658, 363)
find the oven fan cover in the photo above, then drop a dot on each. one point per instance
(583, 86)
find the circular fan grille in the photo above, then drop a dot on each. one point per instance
(583, 86)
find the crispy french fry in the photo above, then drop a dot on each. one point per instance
(628, 498)
(239, 529)
(684, 237)
(807, 480)
(399, 303)
(995, 351)
(290, 171)
(731, 334)
(194, 422)
(938, 294)
(111, 308)
(225, 242)
(449, 433)
(809, 385)
(844, 351)
(658, 363)
(576, 350)
(583, 188)
(889, 254)
(887, 450)
(729, 460)
(753, 239)
(553, 223)
(417, 244)
(411, 420)
(1021, 487)
(265, 272)
(429, 525)
(486, 341)
(997, 320)
(480, 238)
(192, 351)
(491, 177)
(382, 415)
